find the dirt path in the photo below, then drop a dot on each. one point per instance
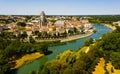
(86, 51)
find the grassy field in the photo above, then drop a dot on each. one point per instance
(110, 26)
(26, 58)
(83, 49)
(100, 68)
(109, 66)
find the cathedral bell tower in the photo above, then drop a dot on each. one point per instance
(43, 20)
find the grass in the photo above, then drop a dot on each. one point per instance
(26, 58)
(110, 26)
(109, 66)
(100, 67)
(83, 49)
(68, 54)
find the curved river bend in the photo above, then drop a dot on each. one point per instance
(73, 45)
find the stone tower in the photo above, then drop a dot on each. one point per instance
(43, 21)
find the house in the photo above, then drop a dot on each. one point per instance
(88, 25)
(60, 23)
(29, 31)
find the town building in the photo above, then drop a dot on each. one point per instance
(43, 20)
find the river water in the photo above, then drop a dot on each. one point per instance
(72, 45)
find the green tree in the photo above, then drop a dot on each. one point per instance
(24, 35)
(115, 57)
(117, 29)
(88, 42)
(31, 39)
(32, 72)
(23, 24)
(39, 34)
(4, 65)
(36, 32)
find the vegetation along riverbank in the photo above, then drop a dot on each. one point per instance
(15, 53)
(27, 59)
(85, 63)
(110, 26)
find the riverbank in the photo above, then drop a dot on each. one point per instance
(110, 26)
(69, 38)
(75, 37)
(26, 58)
(31, 57)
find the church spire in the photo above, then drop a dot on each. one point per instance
(43, 20)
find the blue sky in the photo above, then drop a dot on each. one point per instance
(59, 7)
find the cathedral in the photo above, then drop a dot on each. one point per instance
(43, 20)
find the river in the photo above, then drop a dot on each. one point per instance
(73, 45)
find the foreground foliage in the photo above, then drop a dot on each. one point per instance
(13, 49)
(71, 62)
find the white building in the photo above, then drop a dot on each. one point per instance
(88, 25)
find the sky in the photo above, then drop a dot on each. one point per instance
(60, 7)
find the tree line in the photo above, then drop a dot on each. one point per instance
(104, 19)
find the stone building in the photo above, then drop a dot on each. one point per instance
(43, 20)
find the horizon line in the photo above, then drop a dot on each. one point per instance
(58, 15)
